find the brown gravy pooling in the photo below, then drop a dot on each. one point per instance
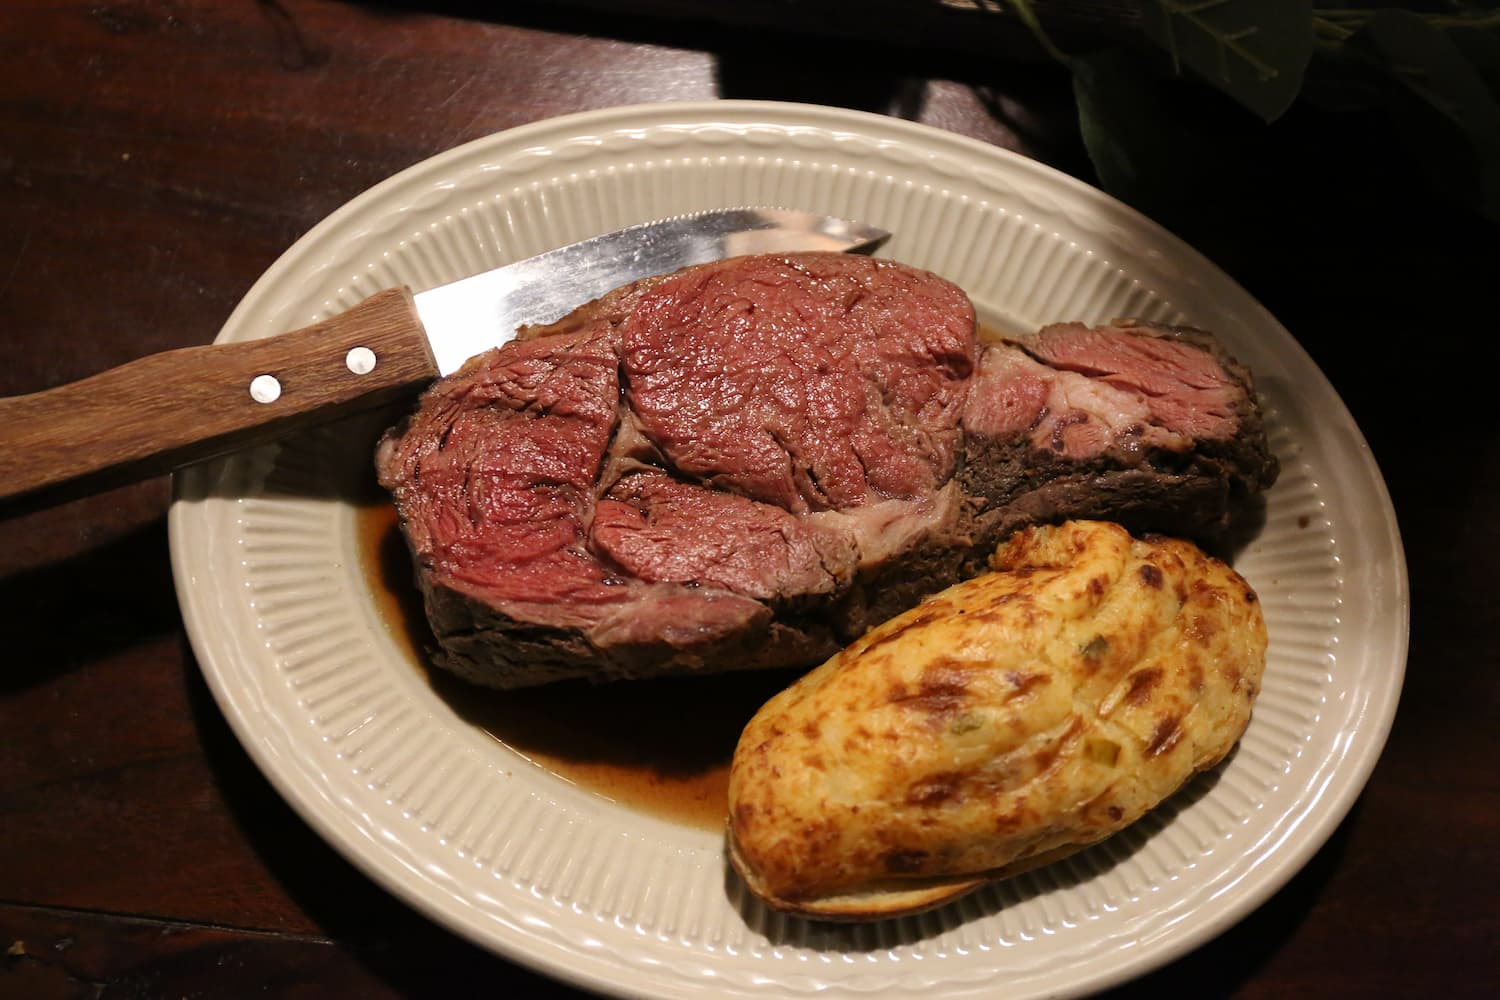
(661, 747)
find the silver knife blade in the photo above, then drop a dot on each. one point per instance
(127, 422)
(471, 315)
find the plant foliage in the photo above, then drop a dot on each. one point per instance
(1433, 71)
(1254, 51)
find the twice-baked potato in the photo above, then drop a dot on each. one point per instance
(1003, 723)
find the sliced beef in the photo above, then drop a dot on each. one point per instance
(1153, 426)
(748, 463)
(811, 384)
(496, 486)
(655, 527)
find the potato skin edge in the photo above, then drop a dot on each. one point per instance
(1211, 599)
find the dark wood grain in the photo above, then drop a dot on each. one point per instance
(158, 155)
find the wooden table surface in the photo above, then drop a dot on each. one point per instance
(157, 155)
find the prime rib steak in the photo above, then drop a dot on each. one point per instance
(746, 464)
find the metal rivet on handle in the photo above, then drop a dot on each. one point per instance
(360, 360)
(265, 389)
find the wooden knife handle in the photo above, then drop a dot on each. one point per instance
(155, 414)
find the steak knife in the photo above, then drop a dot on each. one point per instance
(167, 410)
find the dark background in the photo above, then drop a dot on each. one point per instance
(157, 155)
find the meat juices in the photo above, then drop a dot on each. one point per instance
(747, 463)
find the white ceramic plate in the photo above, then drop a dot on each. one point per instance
(557, 877)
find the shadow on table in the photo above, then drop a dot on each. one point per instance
(410, 954)
(85, 606)
(1238, 955)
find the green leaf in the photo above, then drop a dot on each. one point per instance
(1253, 50)
(1163, 150)
(1448, 114)
(1122, 118)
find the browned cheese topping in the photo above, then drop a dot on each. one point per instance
(1006, 721)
